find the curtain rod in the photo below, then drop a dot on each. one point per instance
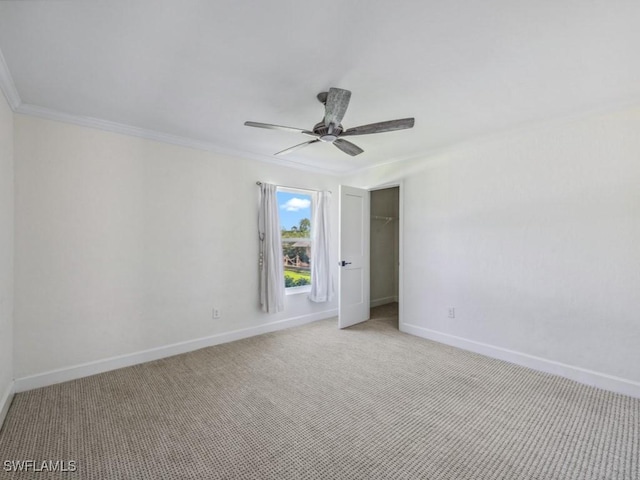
(292, 188)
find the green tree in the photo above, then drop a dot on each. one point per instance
(305, 225)
(300, 231)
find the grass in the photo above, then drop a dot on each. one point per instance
(296, 275)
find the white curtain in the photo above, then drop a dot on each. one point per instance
(270, 261)
(321, 279)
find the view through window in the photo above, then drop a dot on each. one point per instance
(295, 225)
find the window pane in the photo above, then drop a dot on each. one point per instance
(295, 225)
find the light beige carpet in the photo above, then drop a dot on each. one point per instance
(318, 403)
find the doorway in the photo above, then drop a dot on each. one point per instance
(385, 254)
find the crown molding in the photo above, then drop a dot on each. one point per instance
(15, 102)
(115, 127)
(7, 86)
(477, 141)
(6, 83)
(10, 91)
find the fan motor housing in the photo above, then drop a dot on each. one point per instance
(321, 129)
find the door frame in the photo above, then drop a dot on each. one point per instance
(400, 185)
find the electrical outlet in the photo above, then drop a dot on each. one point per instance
(216, 313)
(452, 312)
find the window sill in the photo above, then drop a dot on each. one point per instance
(297, 290)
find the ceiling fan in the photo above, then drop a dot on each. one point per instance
(330, 129)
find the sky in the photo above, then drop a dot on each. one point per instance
(293, 207)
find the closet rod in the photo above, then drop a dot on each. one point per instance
(387, 219)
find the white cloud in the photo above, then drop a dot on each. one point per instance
(294, 204)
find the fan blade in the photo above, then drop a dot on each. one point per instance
(296, 147)
(279, 127)
(348, 147)
(336, 106)
(380, 127)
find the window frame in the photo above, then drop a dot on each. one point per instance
(311, 194)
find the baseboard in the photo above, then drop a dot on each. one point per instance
(581, 375)
(5, 402)
(113, 363)
(382, 301)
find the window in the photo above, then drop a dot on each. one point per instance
(295, 226)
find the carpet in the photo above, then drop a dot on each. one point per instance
(315, 402)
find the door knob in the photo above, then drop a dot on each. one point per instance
(343, 263)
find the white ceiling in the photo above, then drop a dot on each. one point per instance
(199, 69)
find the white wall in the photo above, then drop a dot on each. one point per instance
(384, 246)
(6, 255)
(534, 238)
(125, 244)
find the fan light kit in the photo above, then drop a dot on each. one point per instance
(330, 130)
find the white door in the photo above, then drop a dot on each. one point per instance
(353, 281)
